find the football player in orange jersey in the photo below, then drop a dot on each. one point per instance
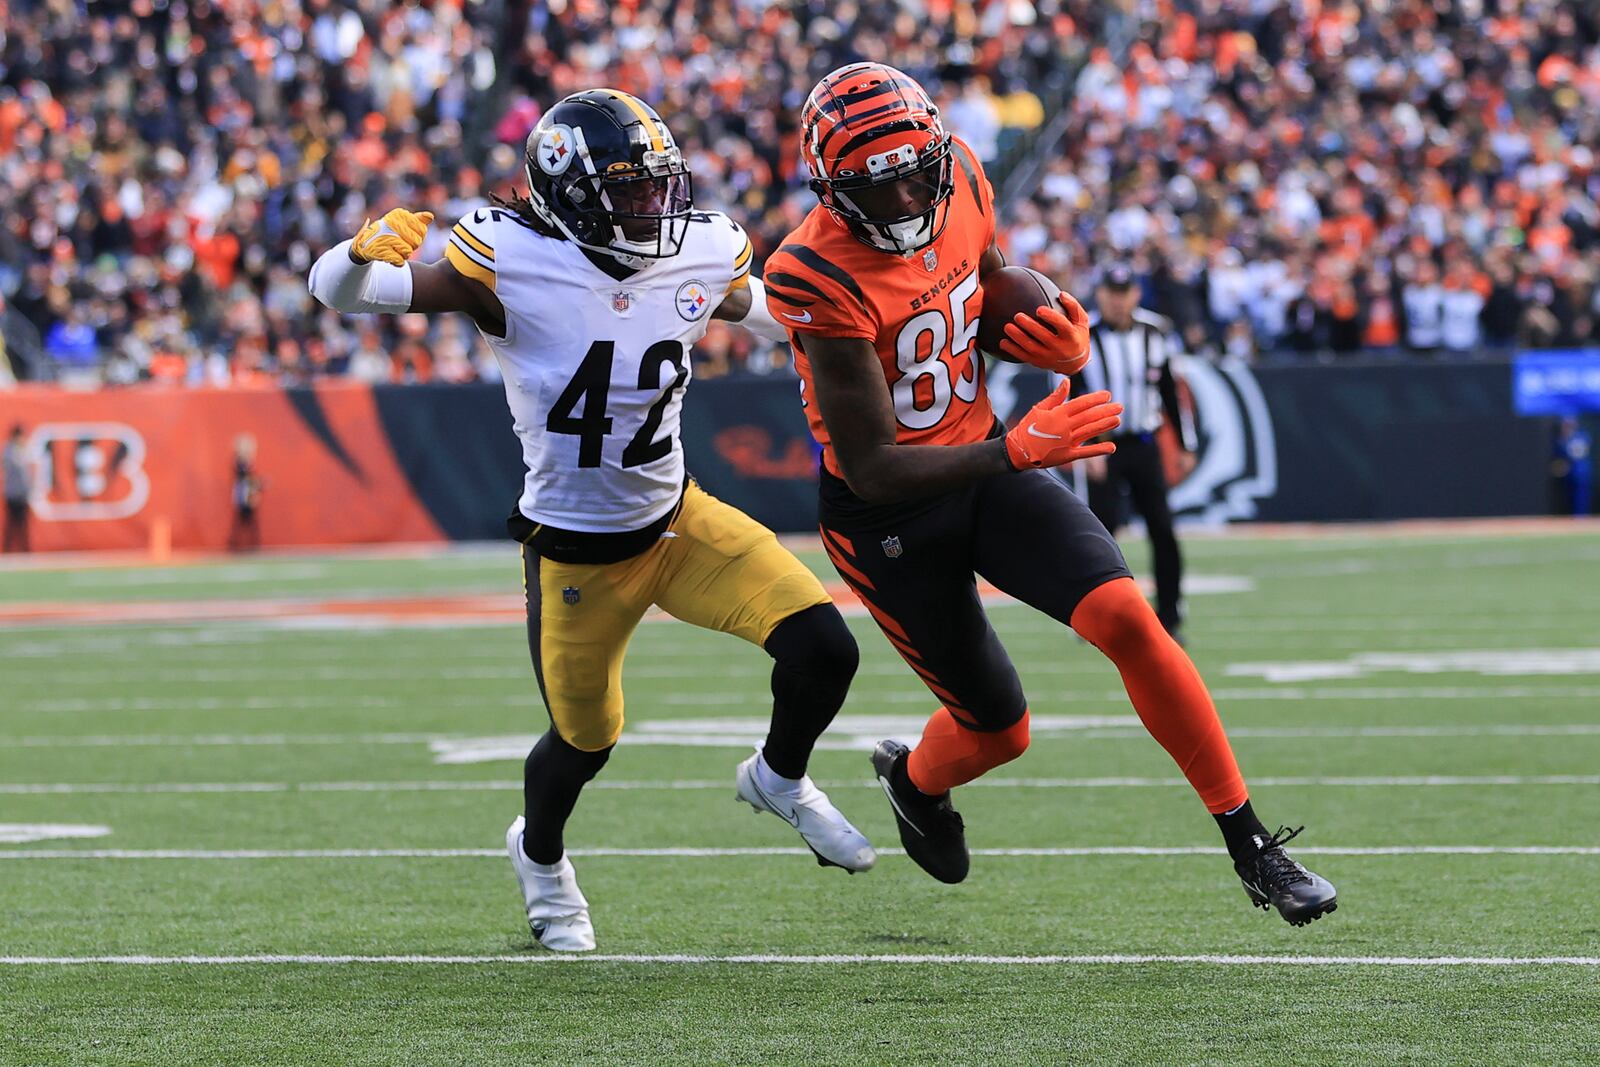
(880, 288)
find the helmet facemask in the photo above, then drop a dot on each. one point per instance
(631, 212)
(901, 202)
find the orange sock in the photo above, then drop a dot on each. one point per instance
(951, 754)
(1166, 690)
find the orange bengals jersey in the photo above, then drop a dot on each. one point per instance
(919, 311)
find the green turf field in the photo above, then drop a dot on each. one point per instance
(319, 789)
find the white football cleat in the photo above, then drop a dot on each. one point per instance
(558, 914)
(822, 826)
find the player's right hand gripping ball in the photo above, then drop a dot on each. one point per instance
(1056, 339)
(1054, 432)
(392, 239)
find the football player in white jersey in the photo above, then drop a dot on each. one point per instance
(591, 293)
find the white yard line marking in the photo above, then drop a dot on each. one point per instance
(848, 733)
(225, 740)
(1488, 662)
(731, 853)
(1274, 626)
(529, 697)
(447, 785)
(756, 729)
(1106, 960)
(518, 673)
(1528, 692)
(18, 833)
(1521, 692)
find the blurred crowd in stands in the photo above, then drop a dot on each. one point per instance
(1307, 176)
(1335, 177)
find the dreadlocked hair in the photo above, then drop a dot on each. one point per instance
(522, 208)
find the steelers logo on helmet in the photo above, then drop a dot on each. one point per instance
(556, 150)
(604, 170)
(694, 300)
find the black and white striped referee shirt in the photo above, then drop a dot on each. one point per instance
(1135, 366)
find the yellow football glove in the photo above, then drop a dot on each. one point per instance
(392, 239)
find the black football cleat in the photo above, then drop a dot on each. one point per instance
(930, 827)
(1274, 880)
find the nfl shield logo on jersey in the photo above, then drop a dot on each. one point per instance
(891, 547)
(930, 259)
(571, 594)
(621, 300)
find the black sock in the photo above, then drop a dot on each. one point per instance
(553, 776)
(1239, 828)
(815, 658)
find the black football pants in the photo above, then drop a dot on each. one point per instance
(916, 571)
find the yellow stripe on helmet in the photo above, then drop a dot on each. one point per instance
(644, 116)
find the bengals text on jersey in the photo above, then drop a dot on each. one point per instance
(920, 311)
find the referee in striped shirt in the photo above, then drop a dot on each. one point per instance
(1131, 357)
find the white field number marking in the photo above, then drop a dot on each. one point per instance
(1489, 663)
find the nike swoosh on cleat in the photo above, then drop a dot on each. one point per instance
(895, 804)
(804, 316)
(1034, 432)
(789, 817)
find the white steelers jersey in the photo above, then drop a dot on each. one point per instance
(595, 368)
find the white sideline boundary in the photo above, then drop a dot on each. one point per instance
(702, 784)
(723, 699)
(1283, 733)
(728, 853)
(1515, 692)
(1108, 960)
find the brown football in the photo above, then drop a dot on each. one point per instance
(1007, 293)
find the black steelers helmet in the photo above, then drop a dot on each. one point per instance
(604, 170)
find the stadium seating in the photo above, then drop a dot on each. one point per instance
(1301, 177)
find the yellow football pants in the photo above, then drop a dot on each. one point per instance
(714, 567)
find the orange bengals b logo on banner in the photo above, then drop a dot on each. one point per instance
(87, 471)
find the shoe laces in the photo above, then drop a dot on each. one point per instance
(1275, 864)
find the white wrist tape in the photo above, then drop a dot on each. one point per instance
(360, 287)
(759, 320)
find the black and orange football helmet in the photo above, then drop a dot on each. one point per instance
(879, 156)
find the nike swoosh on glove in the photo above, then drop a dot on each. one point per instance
(392, 239)
(1055, 339)
(1053, 433)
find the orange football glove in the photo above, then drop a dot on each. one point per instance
(392, 239)
(1054, 432)
(1050, 339)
